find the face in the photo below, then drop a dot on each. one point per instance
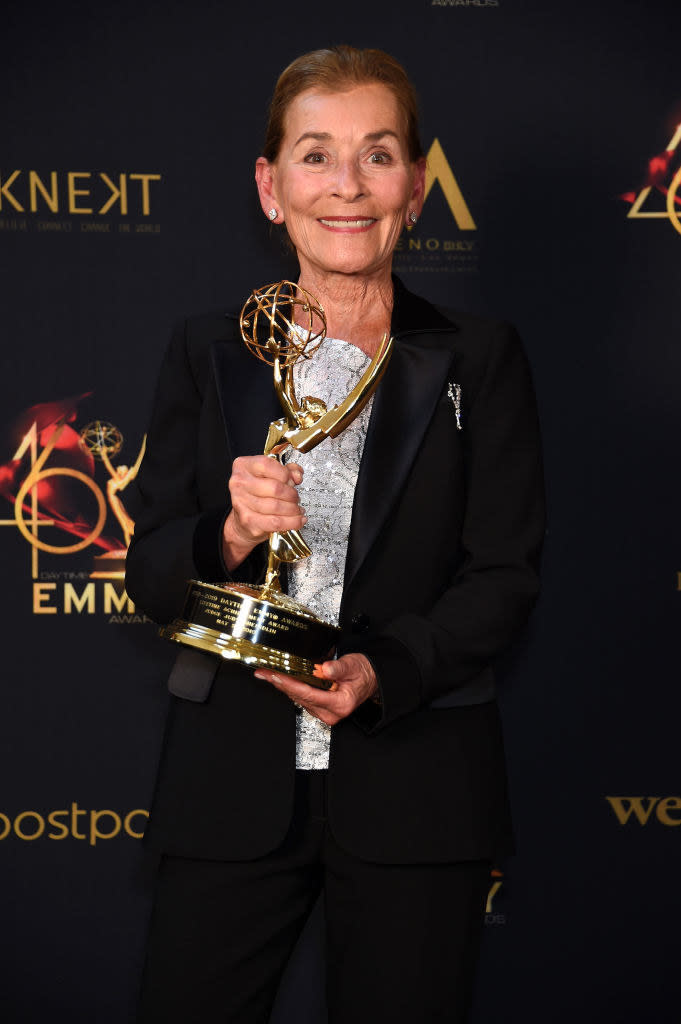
(343, 183)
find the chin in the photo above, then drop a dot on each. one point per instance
(350, 263)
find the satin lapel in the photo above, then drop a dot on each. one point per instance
(403, 407)
(247, 397)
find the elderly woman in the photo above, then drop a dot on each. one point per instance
(386, 792)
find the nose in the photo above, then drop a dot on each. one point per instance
(348, 183)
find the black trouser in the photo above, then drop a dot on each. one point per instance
(402, 941)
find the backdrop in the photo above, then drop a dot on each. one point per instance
(127, 140)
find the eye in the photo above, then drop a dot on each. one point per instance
(380, 157)
(315, 158)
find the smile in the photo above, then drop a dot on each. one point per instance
(347, 223)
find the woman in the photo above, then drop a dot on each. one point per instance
(425, 518)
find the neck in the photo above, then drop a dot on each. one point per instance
(358, 308)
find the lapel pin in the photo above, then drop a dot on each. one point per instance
(454, 392)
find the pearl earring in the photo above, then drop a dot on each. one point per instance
(412, 217)
(272, 214)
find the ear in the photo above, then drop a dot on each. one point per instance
(265, 180)
(419, 186)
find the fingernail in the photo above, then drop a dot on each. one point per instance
(301, 510)
(304, 520)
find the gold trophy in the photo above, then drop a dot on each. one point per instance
(259, 625)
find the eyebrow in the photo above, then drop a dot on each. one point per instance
(326, 136)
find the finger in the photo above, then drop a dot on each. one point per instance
(267, 499)
(271, 469)
(257, 529)
(296, 472)
(297, 690)
(264, 466)
(280, 524)
(328, 706)
(348, 666)
(338, 670)
(266, 506)
(256, 522)
(262, 487)
(353, 672)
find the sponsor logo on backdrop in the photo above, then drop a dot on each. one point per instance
(646, 810)
(464, 3)
(64, 489)
(659, 198)
(73, 822)
(444, 238)
(92, 202)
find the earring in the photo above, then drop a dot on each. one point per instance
(272, 214)
(412, 217)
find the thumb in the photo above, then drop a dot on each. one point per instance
(346, 667)
(332, 670)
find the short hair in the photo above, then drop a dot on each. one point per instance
(338, 69)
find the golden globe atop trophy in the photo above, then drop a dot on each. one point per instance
(260, 625)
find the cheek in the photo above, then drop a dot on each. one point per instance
(396, 196)
(398, 206)
(406, 190)
(298, 192)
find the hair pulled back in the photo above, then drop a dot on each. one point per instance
(338, 69)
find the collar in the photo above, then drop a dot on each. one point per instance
(412, 314)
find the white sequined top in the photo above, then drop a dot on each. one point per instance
(326, 494)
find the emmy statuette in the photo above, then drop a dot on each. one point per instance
(260, 625)
(104, 441)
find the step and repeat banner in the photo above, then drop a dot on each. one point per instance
(127, 142)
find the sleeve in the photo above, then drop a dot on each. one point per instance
(175, 538)
(418, 658)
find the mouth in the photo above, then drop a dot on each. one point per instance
(347, 223)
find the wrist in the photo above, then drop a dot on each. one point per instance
(235, 548)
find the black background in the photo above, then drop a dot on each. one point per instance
(547, 113)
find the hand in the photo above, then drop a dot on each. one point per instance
(354, 681)
(264, 501)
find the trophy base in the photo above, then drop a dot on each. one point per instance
(240, 622)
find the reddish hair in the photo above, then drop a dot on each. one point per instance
(337, 70)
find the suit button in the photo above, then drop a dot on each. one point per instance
(360, 622)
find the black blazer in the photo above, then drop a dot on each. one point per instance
(441, 573)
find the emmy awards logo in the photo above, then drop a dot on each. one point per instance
(51, 483)
(104, 441)
(260, 625)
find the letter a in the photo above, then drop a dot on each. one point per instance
(438, 169)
